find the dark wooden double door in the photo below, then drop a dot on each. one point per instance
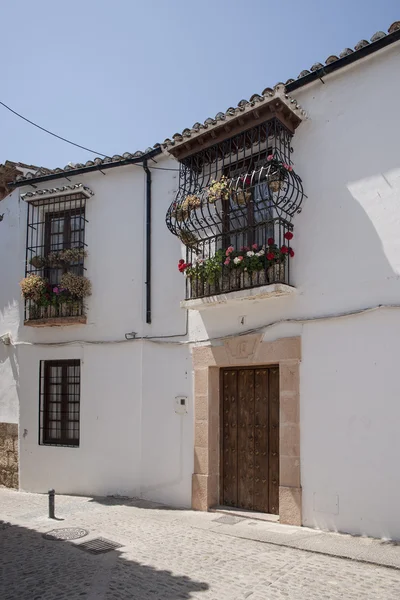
(250, 438)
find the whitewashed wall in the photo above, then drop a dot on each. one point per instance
(131, 442)
(12, 259)
(347, 247)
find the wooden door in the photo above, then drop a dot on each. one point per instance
(250, 438)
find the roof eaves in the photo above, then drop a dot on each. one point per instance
(378, 41)
(98, 164)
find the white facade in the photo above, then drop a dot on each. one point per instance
(347, 247)
(131, 440)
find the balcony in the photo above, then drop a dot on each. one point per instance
(233, 212)
(252, 263)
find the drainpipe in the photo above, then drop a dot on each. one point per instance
(148, 241)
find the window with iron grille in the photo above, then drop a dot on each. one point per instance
(59, 402)
(234, 208)
(55, 245)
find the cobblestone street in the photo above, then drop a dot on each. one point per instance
(168, 554)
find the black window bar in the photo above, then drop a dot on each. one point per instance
(55, 225)
(251, 213)
(59, 393)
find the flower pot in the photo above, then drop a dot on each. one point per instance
(241, 198)
(181, 214)
(230, 281)
(196, 288)
(245, 280)
(259, 278)
(276, 273)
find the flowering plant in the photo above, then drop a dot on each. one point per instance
(72, 289)
(77, 285)
(277, 172)
(191, 202)
(33, 287)
(219, 190)
(276, 255)
(66, 257)
(60, 258)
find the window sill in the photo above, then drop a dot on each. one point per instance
(56, 321)
(273, 290)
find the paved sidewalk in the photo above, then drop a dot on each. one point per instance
(170, 554)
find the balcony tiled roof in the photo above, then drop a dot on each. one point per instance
(58, 191)
(229, 114)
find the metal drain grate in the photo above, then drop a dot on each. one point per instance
(99, 546)
(228, 520)
(66, 533)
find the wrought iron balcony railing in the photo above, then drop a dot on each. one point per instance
(248, 258)
(233, 211)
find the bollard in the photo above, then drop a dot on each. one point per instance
(51, 504)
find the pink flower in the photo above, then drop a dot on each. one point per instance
(56, 290)
(270, 157)
(229, 250)
(286, 166)
(240, 257)
(255, 246)
(227, 261)
(290, 168)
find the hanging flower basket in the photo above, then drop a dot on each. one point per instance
(241, 197)
(188, 238)
(219, 190)
(277, 173)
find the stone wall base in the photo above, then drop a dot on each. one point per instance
(290, 505)
(9, 455)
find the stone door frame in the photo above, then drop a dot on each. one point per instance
(249, 350)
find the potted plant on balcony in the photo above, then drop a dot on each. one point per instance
(64, 258)
(49, 301)
(242, 195)
(276, 173)
(219, 190)
(276, 257)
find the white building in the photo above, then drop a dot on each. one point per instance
(293, 407)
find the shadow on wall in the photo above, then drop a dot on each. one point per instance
(33, 567)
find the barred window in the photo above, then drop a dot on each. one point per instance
(59, 402)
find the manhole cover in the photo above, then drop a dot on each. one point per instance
(99, 546)
(227, 520)
(67, 533)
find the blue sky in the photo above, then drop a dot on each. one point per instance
(120, 76)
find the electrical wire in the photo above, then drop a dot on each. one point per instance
(164, 339)
(69, 141)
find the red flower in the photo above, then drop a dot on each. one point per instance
(284, 249)
(255, 246)
(270, 241)
(288, 235)
(270, 256)
(181, 262)
(246, 248)
(291, 252)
